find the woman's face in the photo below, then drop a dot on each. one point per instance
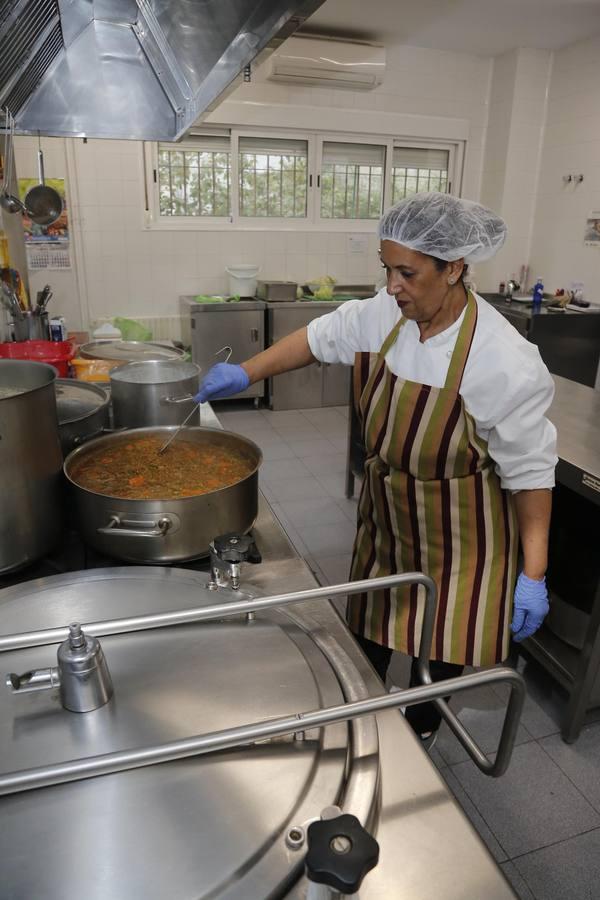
(414, 280)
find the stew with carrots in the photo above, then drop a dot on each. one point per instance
(134, 470)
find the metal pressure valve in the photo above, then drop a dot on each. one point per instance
(81, 676)
(227, 553)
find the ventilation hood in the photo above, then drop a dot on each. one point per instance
(131, 69)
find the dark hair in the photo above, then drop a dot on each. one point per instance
(441, 264)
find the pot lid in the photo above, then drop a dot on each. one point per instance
(210, 826)
(154, 371)
(129, 351)
(77, 399)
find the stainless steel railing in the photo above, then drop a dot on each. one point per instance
(118, 761)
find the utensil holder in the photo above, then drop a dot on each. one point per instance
(31, 326)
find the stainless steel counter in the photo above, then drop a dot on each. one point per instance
(568, 341)
(576, 413)
(568, 643)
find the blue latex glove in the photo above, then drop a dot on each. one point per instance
(530, 607)
(223, 380)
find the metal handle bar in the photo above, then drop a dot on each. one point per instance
(226, 349)
(223, 610)
(428, 691)
(159, 528)
(122, 760)
(187, 398)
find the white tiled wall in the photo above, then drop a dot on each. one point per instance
(515, 135)
(425, 87)
(123, 269)
(571, 146)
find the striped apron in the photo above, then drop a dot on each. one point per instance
(431, 502)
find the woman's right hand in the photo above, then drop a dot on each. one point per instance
(223, 380)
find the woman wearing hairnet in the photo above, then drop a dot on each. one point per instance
(460, 457)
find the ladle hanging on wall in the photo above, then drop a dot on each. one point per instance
(8, 201)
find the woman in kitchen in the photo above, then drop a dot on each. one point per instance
(460, 456)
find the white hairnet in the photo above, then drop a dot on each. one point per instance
(444, 226)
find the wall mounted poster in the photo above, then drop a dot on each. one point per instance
(592, 229)
(59, 230)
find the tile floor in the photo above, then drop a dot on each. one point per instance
(541, 820)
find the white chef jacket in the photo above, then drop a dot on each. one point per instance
(506, 387)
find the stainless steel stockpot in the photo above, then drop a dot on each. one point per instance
(165, 531)
(153, 392)
(82, 411)
(30, 462)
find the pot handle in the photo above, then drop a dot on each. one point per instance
(143, 529)
(185, 399)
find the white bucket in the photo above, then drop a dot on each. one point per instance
(242, 280)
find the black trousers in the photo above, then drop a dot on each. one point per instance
(424, 717)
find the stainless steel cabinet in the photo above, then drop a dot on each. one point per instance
(317, 385)
(569, 342)
(336, 385)
(209, 326)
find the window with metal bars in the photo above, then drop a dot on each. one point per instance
(352, 180)
(195, 179)
(272, 177)
(417, 169)
(234, 178)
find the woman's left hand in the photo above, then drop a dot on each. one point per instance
(530, 606)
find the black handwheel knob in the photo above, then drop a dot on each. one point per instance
(233, 547)
(340, 853)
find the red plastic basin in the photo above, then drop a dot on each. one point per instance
(55, 353)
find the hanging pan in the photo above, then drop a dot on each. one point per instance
(44, 204)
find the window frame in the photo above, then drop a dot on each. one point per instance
(176, 223)
(455, 151)
(268, 223)
(193, 146)
(313, 220)
(336, 138)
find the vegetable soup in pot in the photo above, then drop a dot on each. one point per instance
(135, 470)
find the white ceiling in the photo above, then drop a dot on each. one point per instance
(485, 27)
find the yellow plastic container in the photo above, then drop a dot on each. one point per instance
(94, 369)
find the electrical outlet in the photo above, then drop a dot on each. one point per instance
(357, 243)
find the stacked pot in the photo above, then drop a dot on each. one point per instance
(30, 463)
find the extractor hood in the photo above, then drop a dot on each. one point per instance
(131, 69)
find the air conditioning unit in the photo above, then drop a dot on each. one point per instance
(326, 63)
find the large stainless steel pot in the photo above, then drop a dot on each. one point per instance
(165, 531)
(82, 411)
(158, 392)
(30, 463)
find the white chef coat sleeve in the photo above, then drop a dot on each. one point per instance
(351, 328)
(521, 440)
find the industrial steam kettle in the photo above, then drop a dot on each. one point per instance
(158, 789)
